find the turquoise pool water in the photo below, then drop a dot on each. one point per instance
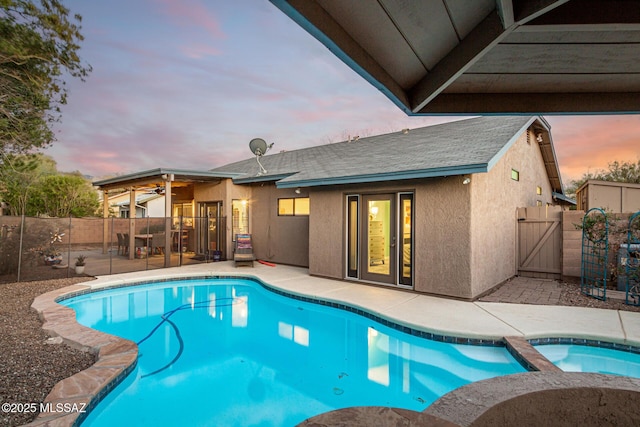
(582, 358)
(230, 352)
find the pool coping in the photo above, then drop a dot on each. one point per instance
(117, 357)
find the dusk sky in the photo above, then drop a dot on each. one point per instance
(187, 84)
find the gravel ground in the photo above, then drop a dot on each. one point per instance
(29, 367)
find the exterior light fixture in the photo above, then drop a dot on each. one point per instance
(298, 190)
(539, 137)
(466, 181)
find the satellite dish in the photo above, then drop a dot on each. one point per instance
(259, 147)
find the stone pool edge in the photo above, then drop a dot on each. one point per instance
(81, 392)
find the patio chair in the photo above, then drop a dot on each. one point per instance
(243, 250)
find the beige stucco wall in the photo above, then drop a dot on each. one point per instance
(326, 232)
(494, 199)
(443, 234)
(279, 239)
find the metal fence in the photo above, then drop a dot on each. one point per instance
(48, 248)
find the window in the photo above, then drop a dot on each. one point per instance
(515, 175)
(539, 190)
(293, 207)
(240, 217)
(183, 211)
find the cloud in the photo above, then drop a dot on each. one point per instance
(190, 14)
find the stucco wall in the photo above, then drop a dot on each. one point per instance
(326, 232)
(279, 239)
(494, 199)
(443, 227)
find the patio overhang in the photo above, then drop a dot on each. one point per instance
(157, 177)
(486, 56)
(161, 178)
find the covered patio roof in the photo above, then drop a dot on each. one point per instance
(158, 177)
(486, 56)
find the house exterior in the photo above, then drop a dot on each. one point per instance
(395, 208)
(431, 210)
(614, 197)
(147, 203)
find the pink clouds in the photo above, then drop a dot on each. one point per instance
(192, 13)
(588, 143)
(198, 51)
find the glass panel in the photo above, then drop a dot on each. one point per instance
(285, 206)
(184, 210)
(406, 229)
(301, 206)
(240, 219)
(379, 220)
(352, 236)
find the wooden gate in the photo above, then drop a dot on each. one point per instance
(539, 242)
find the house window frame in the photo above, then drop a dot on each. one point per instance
(243, 205)
(294, 211)
(515, 175)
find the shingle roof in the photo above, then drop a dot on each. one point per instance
(455, 148)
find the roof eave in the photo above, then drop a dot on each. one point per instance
(390, 176)
(158, 172)
(261, 178)
(563, 198)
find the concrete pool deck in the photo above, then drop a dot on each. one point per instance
(476, 320)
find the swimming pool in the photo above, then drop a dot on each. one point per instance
(584, 358)
(230, 352)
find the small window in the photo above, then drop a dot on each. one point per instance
(515, 175)
(538, 203)
(539, 190)
(293, 207)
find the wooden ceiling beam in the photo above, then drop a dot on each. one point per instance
(533, 103)
(480, 40)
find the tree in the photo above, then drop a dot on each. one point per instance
(38, 48)
(625, 171)
(31, 184)
(66, 195)
(19, 175)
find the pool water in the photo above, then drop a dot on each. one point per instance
(583, 358)
(230, 352)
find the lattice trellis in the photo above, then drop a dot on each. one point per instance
(632, 261)
(595, 253)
